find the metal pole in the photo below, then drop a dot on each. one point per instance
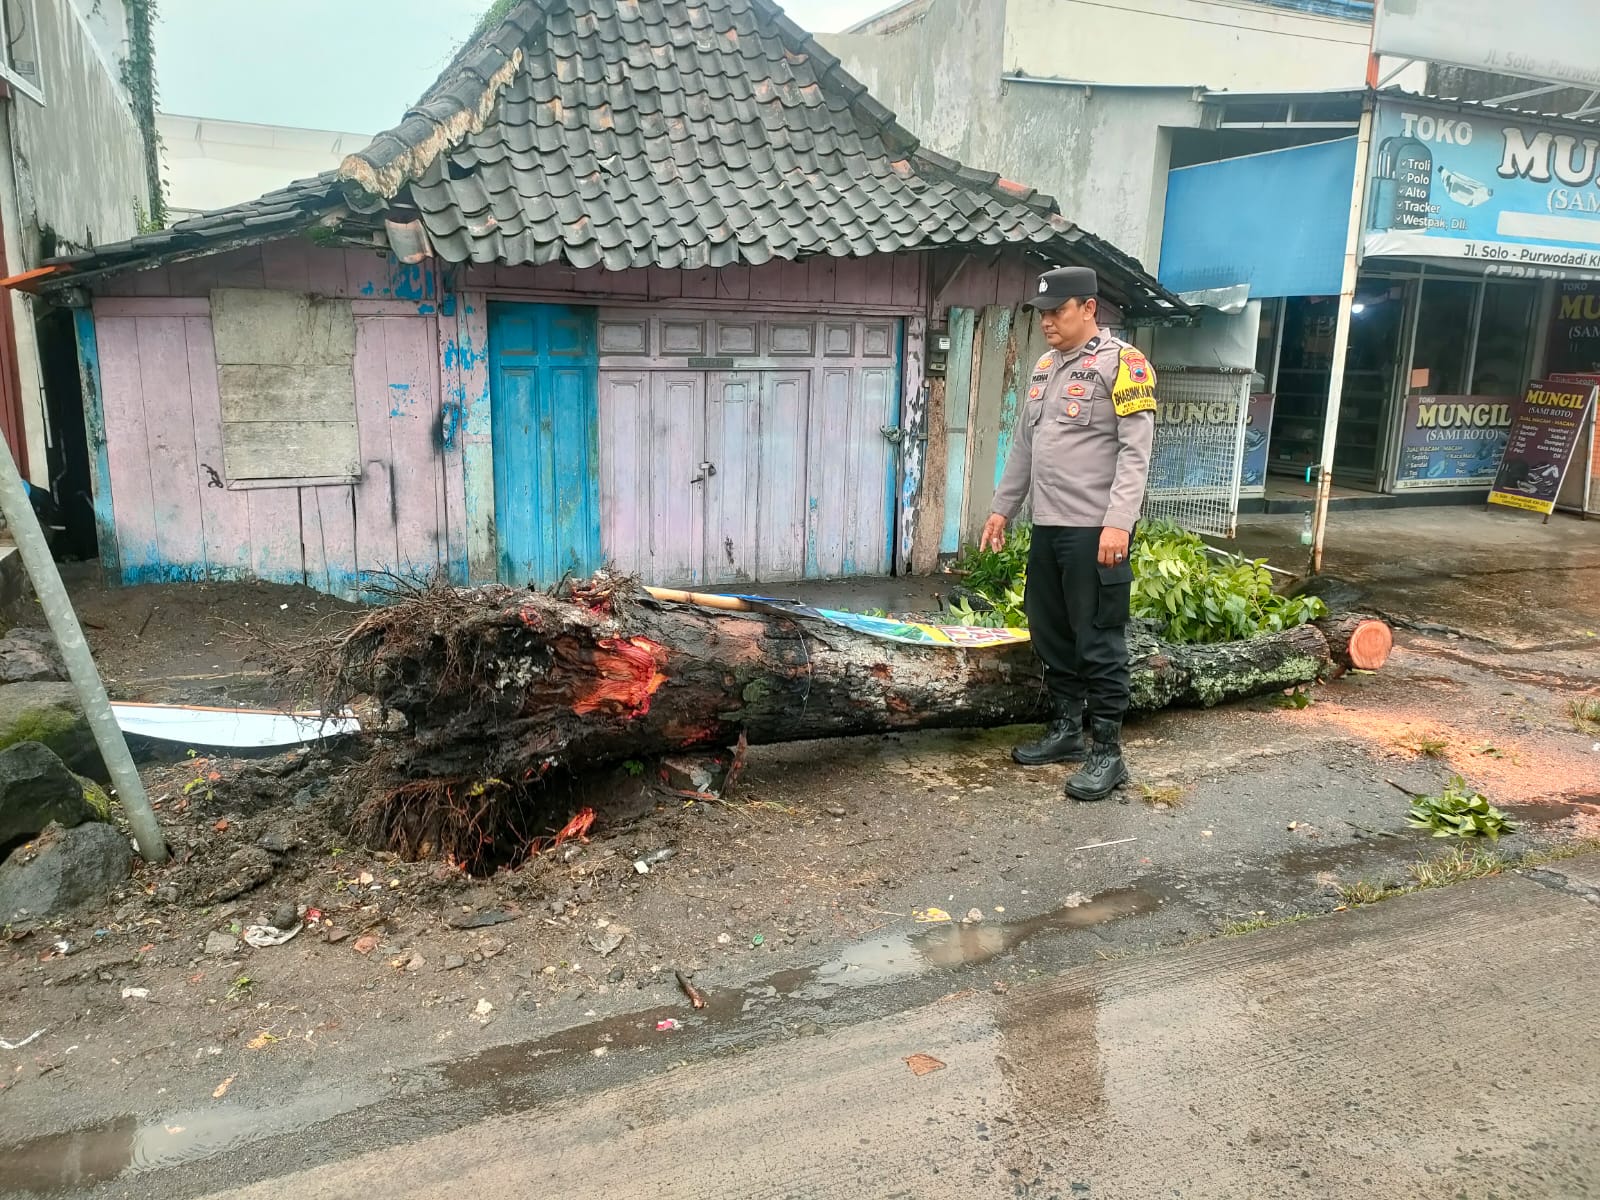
(1341, 336)
(46, 580)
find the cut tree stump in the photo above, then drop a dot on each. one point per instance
(1357, 640)
(503, 683)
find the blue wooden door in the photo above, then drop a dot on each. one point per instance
(544, 374)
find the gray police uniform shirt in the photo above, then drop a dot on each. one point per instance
(1081, 451)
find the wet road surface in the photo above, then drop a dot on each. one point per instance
(1435, 1045)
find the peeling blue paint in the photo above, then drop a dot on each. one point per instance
(424, 310)
(368, 289)
(447, 305)
(450, 418)
(409, 281)
(94, 418)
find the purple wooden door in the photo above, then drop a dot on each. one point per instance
(724, 477)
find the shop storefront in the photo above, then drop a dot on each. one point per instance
(1435, 360)
(1480, 270)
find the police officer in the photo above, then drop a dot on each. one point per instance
(1081, 454)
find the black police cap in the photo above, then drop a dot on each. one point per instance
(1062, 284)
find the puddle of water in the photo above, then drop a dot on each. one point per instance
(83, 1157)
(910, 952)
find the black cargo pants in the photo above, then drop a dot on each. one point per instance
(1078, 618)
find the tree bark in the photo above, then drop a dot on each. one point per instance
(503, 683)
(1357, 640)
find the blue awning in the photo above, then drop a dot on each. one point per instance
(1275, 221)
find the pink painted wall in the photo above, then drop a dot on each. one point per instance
(177, 519)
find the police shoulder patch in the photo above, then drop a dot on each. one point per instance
(1045, 363)
(1134, 390)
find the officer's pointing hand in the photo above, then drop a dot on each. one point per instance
(1113, 546)
(994, 533)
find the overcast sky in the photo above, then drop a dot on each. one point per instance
(348, 65)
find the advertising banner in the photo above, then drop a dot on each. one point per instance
(1546, 426)
(1257, 434)
(1509, 194)
(1549, 40)
(1194, 443)
(1452, 441)
(891, 629)
(1580, 491)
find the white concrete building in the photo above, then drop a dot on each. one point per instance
(73, 175)
(210, 164)
(1090, 100)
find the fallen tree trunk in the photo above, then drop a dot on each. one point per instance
(500, 683)
(1357, 640)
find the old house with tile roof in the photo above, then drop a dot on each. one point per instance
(648, 282)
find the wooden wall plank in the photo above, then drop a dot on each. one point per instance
(328, 532)
(452, 431)
(701, 284)
(823, 275)
(325, 272)
(239, 268)
(850, 280)
(194, 276)
(285, 265)
(957, 408)
(170, 444)
(187, 306)
(913, 422)
(665, 285)
(907, 284)
(733, 283)
(92, 383)
(127, 451)
(224, 514)
(275, 552)
(465, 359)
(151, 283)
(377, 541)
(766, 281)
(410, 346)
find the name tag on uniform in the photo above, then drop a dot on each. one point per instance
(1083, 375)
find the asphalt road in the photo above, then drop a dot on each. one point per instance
(1438, 1045)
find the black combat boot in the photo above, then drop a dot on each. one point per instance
(1105, 771)
(1062, 740)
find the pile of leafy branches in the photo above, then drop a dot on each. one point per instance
(1188, 592)
(1458, 811)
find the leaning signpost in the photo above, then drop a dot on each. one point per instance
(1546, 426)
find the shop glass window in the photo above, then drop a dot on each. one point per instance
(1267, 341)
(1444, 336)
(1505, 332)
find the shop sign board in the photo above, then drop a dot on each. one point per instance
(1452, 441)
(1548, 40)
(1547, 424)
(1505, 193)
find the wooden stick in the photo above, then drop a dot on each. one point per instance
(702, 599)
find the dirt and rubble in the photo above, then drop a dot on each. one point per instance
(820, 852)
